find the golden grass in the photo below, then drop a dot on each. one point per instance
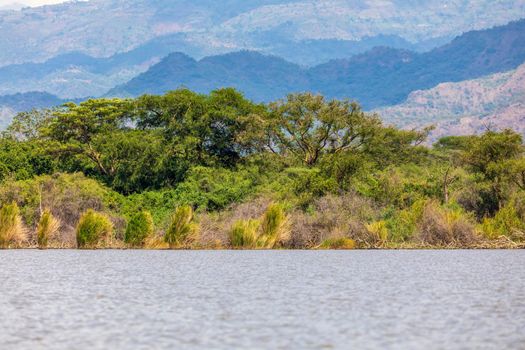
(12, 231)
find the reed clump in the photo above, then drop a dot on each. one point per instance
(94, 230)
(182, 230)
(268, 232)
(47, 229)
(140, 228)
(12, 231)
(243, 234)
(274, 227)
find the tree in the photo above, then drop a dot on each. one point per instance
(489, 156)
(75, 127)
(201, 130)
(307, 126)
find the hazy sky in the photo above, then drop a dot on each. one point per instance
(29, 2)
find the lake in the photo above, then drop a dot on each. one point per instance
(262, 299)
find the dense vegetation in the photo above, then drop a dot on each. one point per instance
(186, 170)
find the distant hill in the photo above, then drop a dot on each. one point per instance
(12, 104)
(75, 75)
(379, 77)
(326, 28)
(384, 77)
(496, 101)
(258, 76)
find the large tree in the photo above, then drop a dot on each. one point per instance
(307, 126)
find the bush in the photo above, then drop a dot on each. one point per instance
(444, 226)
(11, 228)
(139, 229)
(334, 216)
(47, 229)
(507, 222)
(93, 230)
(338, 243)
(402, 224)
(243, 234)
(379, 230)
(182, 231)
(68, 196)
(274, 227)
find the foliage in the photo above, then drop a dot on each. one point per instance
(306, 126)
(507, 222)
(338, 243)
(379, 229)
(340, 171)
(11, 227)
(140, 228)
(67, 195)
(274, 227)
(48, 227)
(182, 230)
(94, 230)
(244, 234)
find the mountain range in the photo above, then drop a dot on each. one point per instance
(379, 77)
(102, 28)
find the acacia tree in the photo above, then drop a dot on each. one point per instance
(75, 128)
(307, 126)
(491, 156)
(201, 129)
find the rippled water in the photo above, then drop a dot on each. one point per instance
(262, 300)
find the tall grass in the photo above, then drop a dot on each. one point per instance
(48, 227)
(140, 228)
(274, 227)
(244, 235)
(94, 230)
(11, 228)
(265, 233)
(182, 231)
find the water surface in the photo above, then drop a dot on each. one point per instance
(262, 300)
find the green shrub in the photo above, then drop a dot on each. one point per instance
(274, 227)
(139, 229)
(379, 230)
(506, 222)
(243, 234)
(402, 225)
(182, 231)
(48, 227)
(338, 243)
(11, 228)
(93, 230)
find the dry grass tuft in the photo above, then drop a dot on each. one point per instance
(47, 229)
(12, 231)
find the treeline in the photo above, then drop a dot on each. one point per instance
(188, 170)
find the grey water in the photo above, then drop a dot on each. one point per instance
(262, 300)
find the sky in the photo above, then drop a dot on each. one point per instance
(29, 2)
